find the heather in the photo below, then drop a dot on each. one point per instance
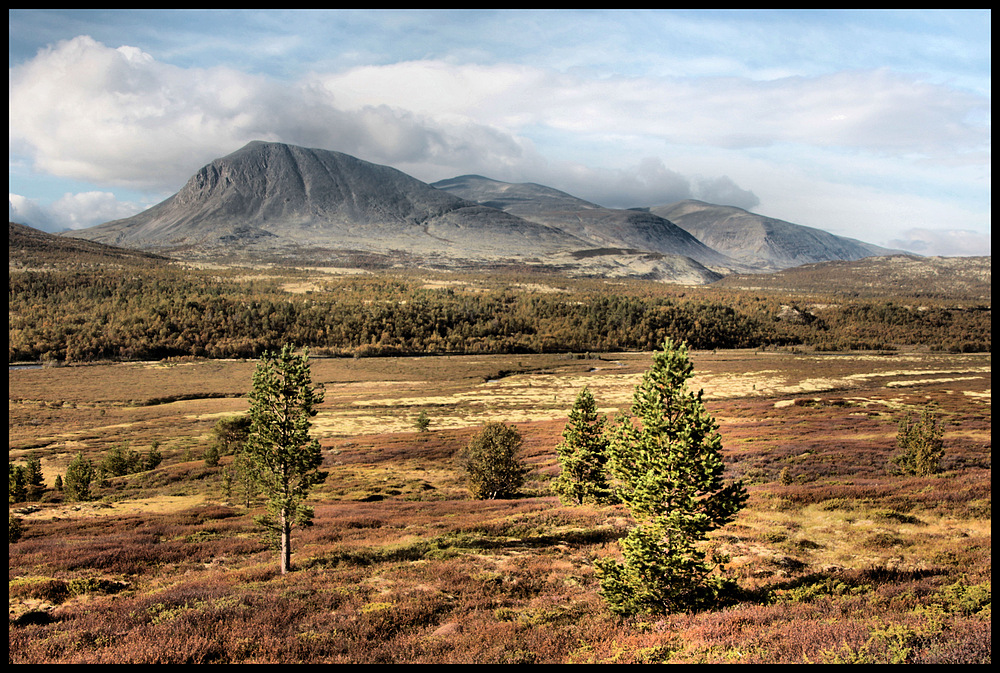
(838, 557)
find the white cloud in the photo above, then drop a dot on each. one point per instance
(72, 211)
(944, 242)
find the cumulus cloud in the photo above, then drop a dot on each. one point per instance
(877, 110)
(117, 116)
(72, 211)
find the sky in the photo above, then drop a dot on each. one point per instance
(874, 125)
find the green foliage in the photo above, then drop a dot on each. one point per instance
(33, 471)
(668, 467)
(119, 461)
(281, 457)
(921, 446)
(490, 462)
(15, 529)
(153, 457)
(212, 455)
(423, 422)
(583, 455)
(17, 488)
(230, 433)
(79, 476)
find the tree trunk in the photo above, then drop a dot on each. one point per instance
(285, 552)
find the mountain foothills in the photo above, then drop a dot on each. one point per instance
(281, 203)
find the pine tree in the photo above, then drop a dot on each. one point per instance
(921, 446)
(668, 465)
(583, 455)
(17, 483)
(280, 455)
(79, 475)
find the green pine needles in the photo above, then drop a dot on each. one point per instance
(921, 446)
(667, 468)
(280, 455)
(583, 455)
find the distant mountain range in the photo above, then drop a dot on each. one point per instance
(278, 202)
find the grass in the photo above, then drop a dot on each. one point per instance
(845, 562)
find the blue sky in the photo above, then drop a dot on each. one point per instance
(869, 124)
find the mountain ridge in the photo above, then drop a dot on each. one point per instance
(764, 242)
(278, 202)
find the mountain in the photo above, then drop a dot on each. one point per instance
(601, 227)
(272, 202)
(272, 198)
(277, 202)
(760, 241)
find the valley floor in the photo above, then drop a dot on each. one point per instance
(839, 559)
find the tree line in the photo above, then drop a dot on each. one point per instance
(160, 312)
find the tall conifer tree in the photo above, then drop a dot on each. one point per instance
(280, 454)
(666, 459)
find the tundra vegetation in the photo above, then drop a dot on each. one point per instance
(838, 555)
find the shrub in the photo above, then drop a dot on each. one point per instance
(14, 529)
(490, 462)
(921, 446)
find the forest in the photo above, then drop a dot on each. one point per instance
(158, 311)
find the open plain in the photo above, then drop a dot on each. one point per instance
(838, 559)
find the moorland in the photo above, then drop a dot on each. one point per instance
(839, 559)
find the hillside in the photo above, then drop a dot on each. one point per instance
(763, 242)
(959, 278)
(30, 248)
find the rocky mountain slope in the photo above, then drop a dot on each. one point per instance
(759, 241)
(281, 203)
(271, 198)
(277, 202)
(599, 226)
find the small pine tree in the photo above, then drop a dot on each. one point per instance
(17, 488)
(153, 457)
(921, 446)
(33, 471)
(119, 461)
(423, 422)
(668, 465)
(490, 462)
(59, 482)
(212, 455)
(79, 476)
(280, 455)
(583, 455)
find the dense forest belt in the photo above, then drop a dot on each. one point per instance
(156, 313)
